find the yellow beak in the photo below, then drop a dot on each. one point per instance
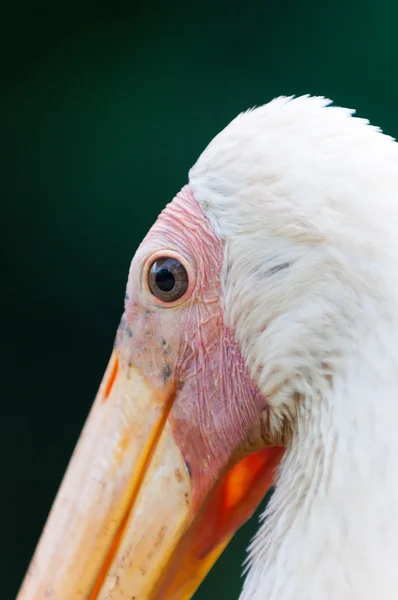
(125, 523)
(123, 504)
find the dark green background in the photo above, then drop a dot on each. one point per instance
(104, 106)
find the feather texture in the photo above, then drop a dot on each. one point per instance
(304, 196)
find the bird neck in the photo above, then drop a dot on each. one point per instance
(332, 526)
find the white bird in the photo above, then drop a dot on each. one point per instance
(258, 345)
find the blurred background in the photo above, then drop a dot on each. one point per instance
(104, 106)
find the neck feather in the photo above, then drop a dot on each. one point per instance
(331, 528)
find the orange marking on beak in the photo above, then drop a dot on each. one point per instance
(141, 475)
(241, 477)
(242, 489)
(230, 504)
(112, 378)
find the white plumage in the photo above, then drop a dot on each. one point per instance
(305, 197)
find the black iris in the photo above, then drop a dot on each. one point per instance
(168, 279)
(165, 280)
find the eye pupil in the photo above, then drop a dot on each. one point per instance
(168, 279)
(165, 280)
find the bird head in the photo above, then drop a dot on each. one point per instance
(242, 303)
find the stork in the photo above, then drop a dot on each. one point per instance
(258, 347)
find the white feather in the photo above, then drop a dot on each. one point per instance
(305, 197)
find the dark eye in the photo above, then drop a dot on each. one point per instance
(168, 279)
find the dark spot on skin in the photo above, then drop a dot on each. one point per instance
(158, 542)
(278, 268)
(128, 331)
(166, 372)
(148, 313)
(165, 346)
(126, 297)
(179, 475)
(160, 537)
(124, 327)
(188, 466)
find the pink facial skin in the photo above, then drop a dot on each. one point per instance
(177, 427)
(187, 347)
